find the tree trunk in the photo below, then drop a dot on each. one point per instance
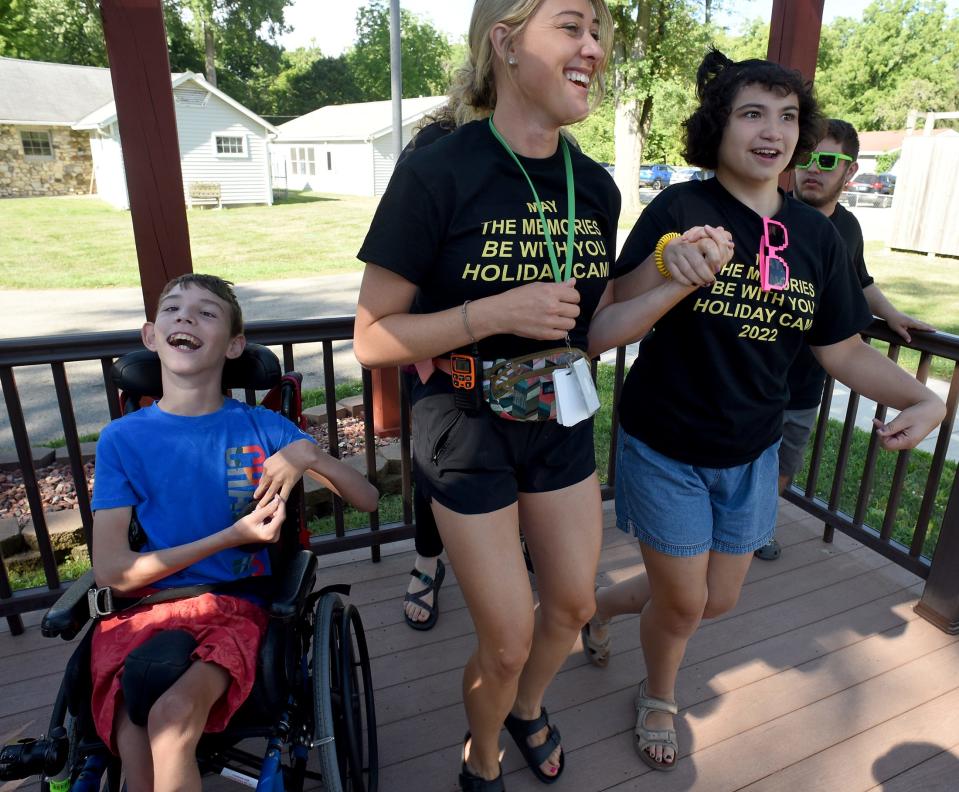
(629, 153)
(631, 112)
(210, 50)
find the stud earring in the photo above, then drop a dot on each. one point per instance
(511, 60)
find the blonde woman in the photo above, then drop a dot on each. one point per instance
(476, 227)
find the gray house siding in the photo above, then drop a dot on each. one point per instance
(243, 178)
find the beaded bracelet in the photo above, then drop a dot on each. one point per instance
(664, 240)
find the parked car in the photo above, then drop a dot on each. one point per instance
(684, 174)
(875, 189)
(655, 176)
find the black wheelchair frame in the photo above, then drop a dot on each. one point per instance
(313, 688)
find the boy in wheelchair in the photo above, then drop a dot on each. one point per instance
(208, 478)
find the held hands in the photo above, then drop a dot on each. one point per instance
(909, 428)
(696, 257)
(283, 470)
(262, 525)
(544, 311)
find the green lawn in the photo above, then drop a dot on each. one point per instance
(926, 288)
(85, 243)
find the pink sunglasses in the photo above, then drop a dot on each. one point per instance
(773, 269)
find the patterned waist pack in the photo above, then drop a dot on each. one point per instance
(521, 389)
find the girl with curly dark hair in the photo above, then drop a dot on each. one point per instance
(701, 409)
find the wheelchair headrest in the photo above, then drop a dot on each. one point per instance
(139, 372)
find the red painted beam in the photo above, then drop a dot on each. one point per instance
(794, 34)
(794, 31)
(140, 68)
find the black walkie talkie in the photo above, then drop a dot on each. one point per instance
(467, 374)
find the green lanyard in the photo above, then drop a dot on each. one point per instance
(565, 274)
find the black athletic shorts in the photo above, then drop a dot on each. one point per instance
(474, 463)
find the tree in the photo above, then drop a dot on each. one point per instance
(902, 55)
(656, 42)
(70, 31)
(309, 80)
(753, 42)
(595, 133)
(61, 31)
(14, 22)
(426, 54)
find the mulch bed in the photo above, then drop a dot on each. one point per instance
(56, 481)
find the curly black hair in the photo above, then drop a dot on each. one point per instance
(718, 79)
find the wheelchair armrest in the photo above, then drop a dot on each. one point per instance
(70, 612)
(293, 585)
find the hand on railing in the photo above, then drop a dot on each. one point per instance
(902, 323)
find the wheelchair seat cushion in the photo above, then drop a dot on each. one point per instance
(152, 668)
(228, 631)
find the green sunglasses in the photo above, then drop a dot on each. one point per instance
(826, 160)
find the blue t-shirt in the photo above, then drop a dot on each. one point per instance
(190, 476)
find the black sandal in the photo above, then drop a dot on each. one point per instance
(521, 730)
(470, 782)
(432, 584)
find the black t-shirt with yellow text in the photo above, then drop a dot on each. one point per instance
(708, 387)
(458, 220)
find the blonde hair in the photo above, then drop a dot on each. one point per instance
(472, 92)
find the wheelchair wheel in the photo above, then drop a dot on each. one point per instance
(345, 723)
(358, 708)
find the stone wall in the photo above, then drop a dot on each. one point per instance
(67, 173)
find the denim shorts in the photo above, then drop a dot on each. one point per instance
(685, 510)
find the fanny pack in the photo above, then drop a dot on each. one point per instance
(521, 389)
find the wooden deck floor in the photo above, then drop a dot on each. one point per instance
(822, 678)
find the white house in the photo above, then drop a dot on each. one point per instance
(221, 143)
(345, 149)
(59, 135)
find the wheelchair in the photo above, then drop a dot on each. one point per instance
(313, 685)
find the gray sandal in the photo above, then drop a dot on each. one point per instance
(597, 652)
(644, 738)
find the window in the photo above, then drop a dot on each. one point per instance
(36, 144)
(329, 160)
(230, 145)
(303, 160)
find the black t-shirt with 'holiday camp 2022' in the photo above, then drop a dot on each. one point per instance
(458, 219)
(806, 376)
(709, 385)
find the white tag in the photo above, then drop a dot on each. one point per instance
(586, 385)
(570, 404)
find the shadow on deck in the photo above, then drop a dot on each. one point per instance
(822, 678)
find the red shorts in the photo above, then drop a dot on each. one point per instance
(228, 631)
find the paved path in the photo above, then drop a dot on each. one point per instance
(64, 311)
(44, 312)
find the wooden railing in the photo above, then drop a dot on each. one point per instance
(940, 602)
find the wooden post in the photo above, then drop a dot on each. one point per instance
(940, 597)
(386, 402)
(140, 69)
(794, 31)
